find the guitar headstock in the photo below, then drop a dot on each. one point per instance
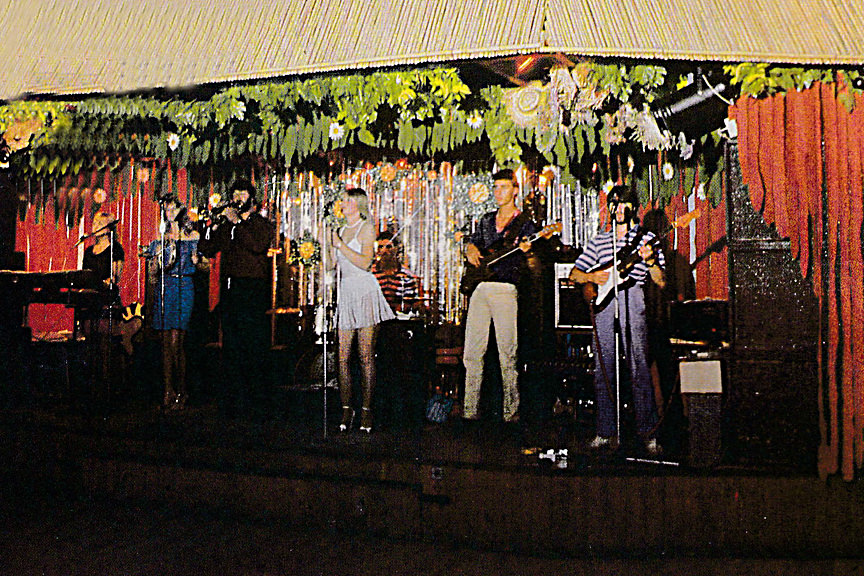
(685, 219)
(549, 230)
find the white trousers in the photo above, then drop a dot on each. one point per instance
(494, 302)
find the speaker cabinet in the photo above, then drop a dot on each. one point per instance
(571, 310)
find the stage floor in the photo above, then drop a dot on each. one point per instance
(462, 486)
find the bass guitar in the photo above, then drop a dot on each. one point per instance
(474, 275)
(601, 295)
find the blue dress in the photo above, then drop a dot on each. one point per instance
(179, 287)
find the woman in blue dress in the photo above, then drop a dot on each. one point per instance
(171, 264)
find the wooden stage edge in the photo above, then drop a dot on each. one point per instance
(438, 483)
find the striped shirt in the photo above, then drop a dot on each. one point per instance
(599, 252)
(397, 287)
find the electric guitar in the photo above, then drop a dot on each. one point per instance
(600, 296)
(474, 275)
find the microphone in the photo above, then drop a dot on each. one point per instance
(110, 224)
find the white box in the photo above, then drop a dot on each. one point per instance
(701, 377)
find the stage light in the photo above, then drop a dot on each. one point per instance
(524, 63)
(695, 110)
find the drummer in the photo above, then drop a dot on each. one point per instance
(398, 283)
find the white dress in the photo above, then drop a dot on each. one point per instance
(361, 302)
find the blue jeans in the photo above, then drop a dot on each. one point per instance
(634, 345)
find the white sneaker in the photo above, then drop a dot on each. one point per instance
(599, 442)
(653, 448)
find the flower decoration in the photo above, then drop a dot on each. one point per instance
(472, 194)
(668, 171)
(99, 196)
(305, 250)
(478, 193)
(332, 201)
(388, 172)
(173, 141)
(475, 120)
(336, 132)
(631, 164)
(431, 175)
(214, 200)
(607, 186)
(18, 134)
(700, 191)
(337, 209)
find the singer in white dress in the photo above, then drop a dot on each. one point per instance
(360, 306)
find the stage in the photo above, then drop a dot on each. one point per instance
(461, 484)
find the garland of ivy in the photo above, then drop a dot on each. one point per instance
(758, 79)
(426, 112)
(420, 111)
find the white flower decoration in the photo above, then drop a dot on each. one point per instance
(336, 131)
(631, 164)
(475, 120)
(607, 186)
(668, 171)
(173, 141)
(700, 191)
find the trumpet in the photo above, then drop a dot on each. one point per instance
(216, 215)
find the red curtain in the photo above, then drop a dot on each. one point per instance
(61, 212)
(785, 166)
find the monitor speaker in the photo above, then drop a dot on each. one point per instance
(571, 309)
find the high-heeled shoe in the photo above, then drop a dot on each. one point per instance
(366, 420)
(347, 418)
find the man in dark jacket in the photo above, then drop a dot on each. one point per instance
(243, 237)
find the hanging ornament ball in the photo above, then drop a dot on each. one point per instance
(99, 196)
(478, 193)
(307, 250)
(143, 175)
(388, 173)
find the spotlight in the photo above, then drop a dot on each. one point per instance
(525, 64)
(694, 110)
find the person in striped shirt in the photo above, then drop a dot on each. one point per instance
(628, 238)
(398, 283)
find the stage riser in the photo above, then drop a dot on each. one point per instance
(519, 511)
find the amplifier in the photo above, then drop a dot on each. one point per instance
(699, 320)
(571, 309)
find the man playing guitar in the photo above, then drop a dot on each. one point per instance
(627, 241)
(495, 297)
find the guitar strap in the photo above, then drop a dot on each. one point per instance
(511, 232)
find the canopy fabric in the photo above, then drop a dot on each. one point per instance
(81, 46)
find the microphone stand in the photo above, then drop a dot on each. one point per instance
(95, 232)
(107, 362)
(616, 328)
(324, 324)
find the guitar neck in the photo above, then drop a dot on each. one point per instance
(531, 239)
